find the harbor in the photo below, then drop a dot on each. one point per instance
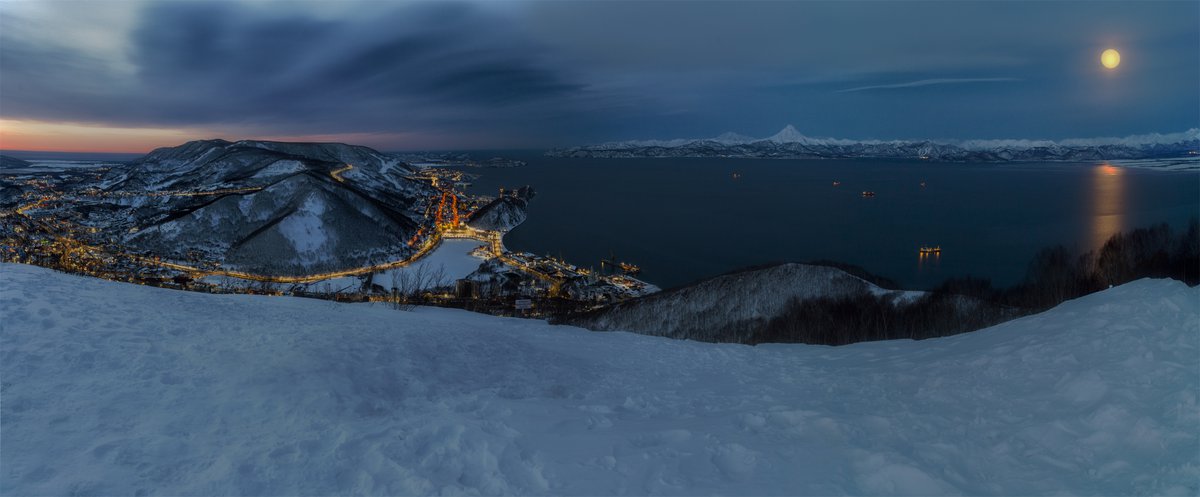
(44, 227)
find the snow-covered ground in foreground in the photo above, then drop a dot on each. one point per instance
(111, 388)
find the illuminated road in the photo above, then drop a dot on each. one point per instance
(492, 238)
(176, 193)
(337, 173)
(311, 278)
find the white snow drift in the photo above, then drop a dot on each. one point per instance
(112, 388)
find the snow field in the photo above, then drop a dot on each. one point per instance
(452, 258)
(109, 388)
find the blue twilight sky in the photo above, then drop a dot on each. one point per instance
(420, 75)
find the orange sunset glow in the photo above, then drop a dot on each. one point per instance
(46, 136)
(76, 137)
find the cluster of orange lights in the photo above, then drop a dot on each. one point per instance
(444, 216)
(453, 208)
(416, 236)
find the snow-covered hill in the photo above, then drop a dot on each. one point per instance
(281, 208)
(790, 143)
(116, 389)
(730, 307)
(7, 162)
(505, 212)
(219, 164)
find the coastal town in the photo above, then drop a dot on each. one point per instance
(52, 219)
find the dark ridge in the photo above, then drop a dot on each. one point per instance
(851, 269)
(860, 272)
(192, 148)
(250, 236)
(958, 305)
(9, 162)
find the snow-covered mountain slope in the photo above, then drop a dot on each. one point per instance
(7, 162)
(728, 308)
(790, 143)
(300, 225)
(111, 388)
(503, 213)
(282, 208)
(209, 163)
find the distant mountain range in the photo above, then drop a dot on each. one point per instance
(7, 162)
(266, 207)
(790, 143)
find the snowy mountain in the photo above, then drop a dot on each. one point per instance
(203, 394)
(730, 307)
(219, 164)
(504, 213)
(790, 143)
(269, 207)
(790, 134)
(732, 138)
(7, 162)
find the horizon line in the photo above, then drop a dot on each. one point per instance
(1191, 130)
(9, 152)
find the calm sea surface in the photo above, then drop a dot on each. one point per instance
(686, 219)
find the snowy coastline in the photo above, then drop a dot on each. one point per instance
(1180, 164)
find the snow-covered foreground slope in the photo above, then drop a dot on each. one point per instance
(112, 388)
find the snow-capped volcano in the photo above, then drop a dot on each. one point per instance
(789, 134)
(791, 143)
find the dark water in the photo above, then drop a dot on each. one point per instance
(686, 219)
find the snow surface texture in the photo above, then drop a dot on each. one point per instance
(112, 388)
(452, 260)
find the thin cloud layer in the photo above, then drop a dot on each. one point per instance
(930, 82)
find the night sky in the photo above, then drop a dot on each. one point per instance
(129, 76)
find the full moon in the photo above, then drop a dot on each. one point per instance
(1110, 58)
